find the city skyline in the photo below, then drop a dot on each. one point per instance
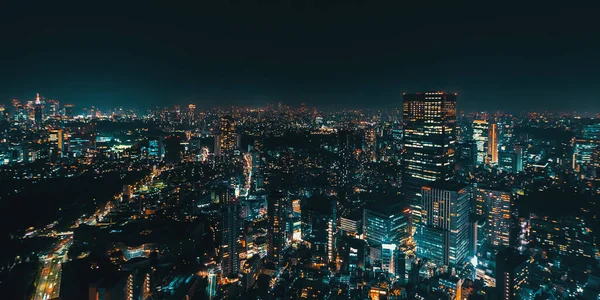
(330, 56)
(299, 150)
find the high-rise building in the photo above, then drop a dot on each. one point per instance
(56, 140)
(383, 224)
(319, 226)
(497, 206)
(276, 212)
(586, 152)
(155, 148)
(53, 108)
(227, 140)
(69, 110)
(443, 236)
(507, 161)
(519, 157)
(191, 115)
(38, 114)
(429, 121)
(230, 231)
(493, 143)
(512, 273)
(480, 136)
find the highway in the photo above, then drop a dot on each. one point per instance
(48, 282)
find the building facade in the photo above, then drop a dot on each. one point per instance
(443, 236)
(429, 123)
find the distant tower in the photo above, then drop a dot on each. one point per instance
(230, 232)
(56, 140)
(480, 136)
(276, 226)
(191, 113)
(227, 140)
(493, 143)
(38, 115)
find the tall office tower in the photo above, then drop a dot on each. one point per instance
(276, 212)
(53, 108)
(443, 236)
(38, 115)
(319, 226)
(227, 139)
(497, 206)
(69, 110)
(507, 161)
(512, 272)
(56, 140)
(230, 232)
(155, 148)
(429, 121)
(519, 157)
(493, 143)
(191, 115)
(480, 136)
(370, 143)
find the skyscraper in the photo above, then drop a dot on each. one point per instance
(227, 139)
(56, 140)
(498, 208)
(480, 136)
(443, 235)
(429, 121)
(319, 226)
(230, 231)
(276, 228)
(493, 143)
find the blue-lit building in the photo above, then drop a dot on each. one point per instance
(385, 224)
(443, 236)
(155, 148)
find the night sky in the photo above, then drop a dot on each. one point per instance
(533, 57)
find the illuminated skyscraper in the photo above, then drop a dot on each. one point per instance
(56, 140)
(480, 136)
(230, 232)
(497, 205)
(493, 143)
(227, 140)
(429, 121)
(443, 235)
(276, 230)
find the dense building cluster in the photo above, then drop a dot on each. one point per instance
(424, 202)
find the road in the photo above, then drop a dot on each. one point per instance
(47, 285)
(48, 282)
